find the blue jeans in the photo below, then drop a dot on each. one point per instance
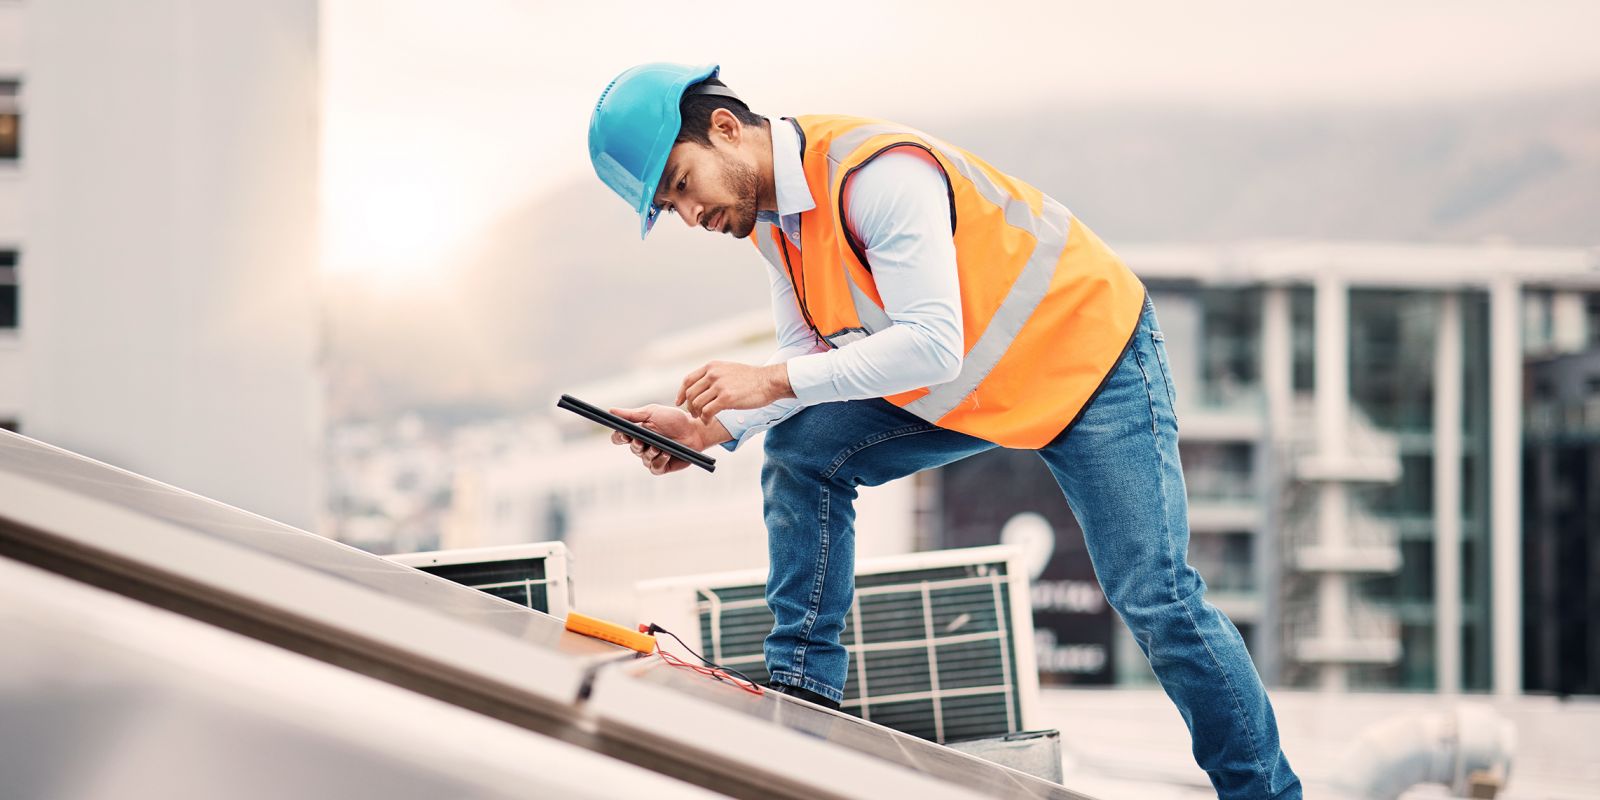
(1118, 467)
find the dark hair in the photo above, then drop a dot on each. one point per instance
(695, 110)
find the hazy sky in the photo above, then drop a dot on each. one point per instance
(439, 116)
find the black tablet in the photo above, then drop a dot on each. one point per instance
(653, 438)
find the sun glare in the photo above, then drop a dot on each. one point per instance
(391, 232)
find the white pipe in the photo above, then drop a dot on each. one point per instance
(1471, 745)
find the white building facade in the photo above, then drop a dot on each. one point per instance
(13, 75)
(158, 241)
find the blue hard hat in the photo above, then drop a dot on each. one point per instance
(633, 128)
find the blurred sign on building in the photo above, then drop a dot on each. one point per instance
(1010, 497)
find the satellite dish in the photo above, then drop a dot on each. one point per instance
(1037, 538)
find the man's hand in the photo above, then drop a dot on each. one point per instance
(721, 385)
(675, 425)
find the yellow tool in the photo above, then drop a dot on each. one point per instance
(611, 632)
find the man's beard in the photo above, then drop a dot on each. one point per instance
(746, 185)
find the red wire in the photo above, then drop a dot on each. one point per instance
(714, 672)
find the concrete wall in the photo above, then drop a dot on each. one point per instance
(171, 154)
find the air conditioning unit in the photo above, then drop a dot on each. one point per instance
(535, 575)
(941, 643)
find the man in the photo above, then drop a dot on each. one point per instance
(929, 307)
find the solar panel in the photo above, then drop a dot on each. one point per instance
(940, 643)
(167, 546)
(150, 542)
(105, 697)
(536, 575)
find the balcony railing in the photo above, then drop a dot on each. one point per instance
(1370, 454)
(1371, 635)
(1548, 419)
(1366, 543)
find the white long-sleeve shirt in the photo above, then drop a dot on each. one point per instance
(899, 211)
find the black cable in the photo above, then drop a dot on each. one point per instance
(782, 240)
(654, 628)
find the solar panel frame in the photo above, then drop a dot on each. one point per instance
(858, 760)
(110, 527)
(193, 709)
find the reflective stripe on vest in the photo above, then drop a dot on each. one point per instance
(1048, 308)
(873, 318)
(1049, 229)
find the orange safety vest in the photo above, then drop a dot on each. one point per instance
(1048, 308)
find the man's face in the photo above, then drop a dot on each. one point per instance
(711, 187)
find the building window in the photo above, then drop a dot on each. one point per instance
(1392, 347)
(1230, 353)
(1218, 471)
(1303, 337)
(10, 120)
(9, 304)
(1225, 560)
(1591, 304)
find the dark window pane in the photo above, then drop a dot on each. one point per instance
(1218, 471)
(10, 120)
(1225, 560)
(1230, 351)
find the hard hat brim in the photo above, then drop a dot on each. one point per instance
(649, 213)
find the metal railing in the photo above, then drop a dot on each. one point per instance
(1371, 634)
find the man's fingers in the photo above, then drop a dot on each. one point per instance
(632, 414)
(690, 380)
(699, 387)
(651, 457)
(710, 409)
(698, 405)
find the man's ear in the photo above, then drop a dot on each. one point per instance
(725, 126)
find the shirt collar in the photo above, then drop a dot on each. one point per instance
(788, 173)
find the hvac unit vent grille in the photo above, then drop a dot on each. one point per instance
(522, 581)
(931, 651)
(531, 575)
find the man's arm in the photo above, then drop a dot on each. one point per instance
(794, 339)
(899, 208)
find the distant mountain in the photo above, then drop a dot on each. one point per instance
(1525, 167)
(561, 290)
